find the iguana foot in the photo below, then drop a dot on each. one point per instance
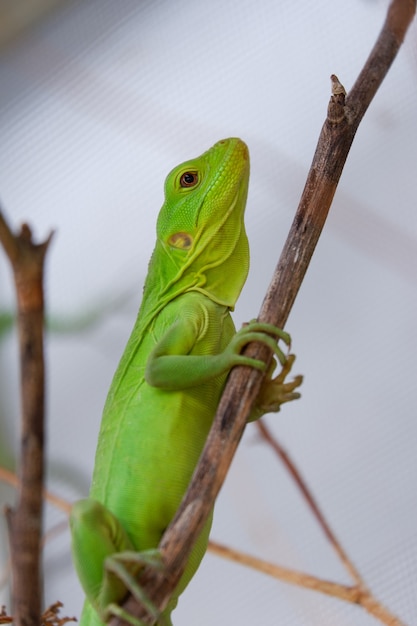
(125, 566)
(275, 391)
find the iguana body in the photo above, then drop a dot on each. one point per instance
(166, 389)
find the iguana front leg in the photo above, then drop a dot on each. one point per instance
(171, 365)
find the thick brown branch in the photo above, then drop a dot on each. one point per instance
(25, 521)
(333, 147)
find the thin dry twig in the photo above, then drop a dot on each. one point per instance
(287, 575)
(344, 116)
(12, 479)
(358, 593)
(355, 594)
(308, 496)
(25, 520)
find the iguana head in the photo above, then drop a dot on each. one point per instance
(201, 240)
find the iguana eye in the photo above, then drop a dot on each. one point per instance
(189, 179)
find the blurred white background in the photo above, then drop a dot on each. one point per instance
(98, 103)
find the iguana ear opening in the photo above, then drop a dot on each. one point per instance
(182, 241)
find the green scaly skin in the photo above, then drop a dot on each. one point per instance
(164, 394)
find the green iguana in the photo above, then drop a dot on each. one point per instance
(164, 394)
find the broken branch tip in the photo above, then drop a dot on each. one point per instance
(337, 87)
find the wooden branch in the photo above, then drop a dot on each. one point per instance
(344, 116)
(25, 521)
